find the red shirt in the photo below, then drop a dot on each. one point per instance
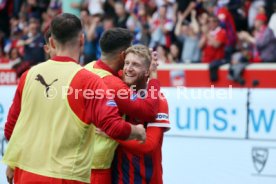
(136, 163)
(210, 53)
(98, 111)
(144, 109)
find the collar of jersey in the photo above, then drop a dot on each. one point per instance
(63, 59)
(100, 64)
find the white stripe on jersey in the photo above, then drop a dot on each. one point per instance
(161, 125)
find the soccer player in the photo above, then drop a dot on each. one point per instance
(53, 109)
(50, 52)
(113, 44)
(135, 162)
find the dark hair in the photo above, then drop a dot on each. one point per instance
(115, 39)
(65, 27)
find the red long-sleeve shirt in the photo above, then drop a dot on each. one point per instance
(134, 161)
(95, 110)
(143, 109)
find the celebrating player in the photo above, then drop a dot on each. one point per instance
(135, 162)
(52, 137)
(113, 44)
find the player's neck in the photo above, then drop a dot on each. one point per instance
(69, 53)
(112, 63)
(141, 85)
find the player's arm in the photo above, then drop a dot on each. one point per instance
(105, 115)
(143, 109)
(15, 108)
(155, 132)
(154, 137)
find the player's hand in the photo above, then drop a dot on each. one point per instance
(138, 132)
(154, 64)
(10, 174)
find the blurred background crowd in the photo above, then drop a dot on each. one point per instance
(215, 32)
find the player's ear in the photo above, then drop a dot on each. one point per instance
(46, 49)
(52, 43)
(147, 73)
(123, 55)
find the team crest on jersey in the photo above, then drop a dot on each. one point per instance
(162, 116)
(111, 103)
(133, 97)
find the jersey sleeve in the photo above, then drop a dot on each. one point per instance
(155, 131)
(154, 138)
(103, 112)
(162, 117)
(143, 109)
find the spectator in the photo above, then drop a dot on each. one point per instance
(253, 11)
(35, 8)
(33, 44)
(171, 8)
(89, 28)
(15, 35)
(188, 35)
(14, 56)
(52, 11)
(227, 22)
(203, 22)
(23, 23)
(238, 9)
(264, 41)
(238, 63)
(121, 15)
(213, 44)
(161, 26)
(174, 54)
(163, 52)
(138, 24)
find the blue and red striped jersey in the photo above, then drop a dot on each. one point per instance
(136, 163)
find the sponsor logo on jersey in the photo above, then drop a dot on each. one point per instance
(162, 116)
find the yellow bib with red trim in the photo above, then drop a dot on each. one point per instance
(49, 139)
(104, 147)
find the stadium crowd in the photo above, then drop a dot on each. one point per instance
(216, 32)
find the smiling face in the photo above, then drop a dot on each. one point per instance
(136, 71)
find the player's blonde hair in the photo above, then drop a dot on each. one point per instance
(141, 51)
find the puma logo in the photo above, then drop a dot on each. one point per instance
(43, 82)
